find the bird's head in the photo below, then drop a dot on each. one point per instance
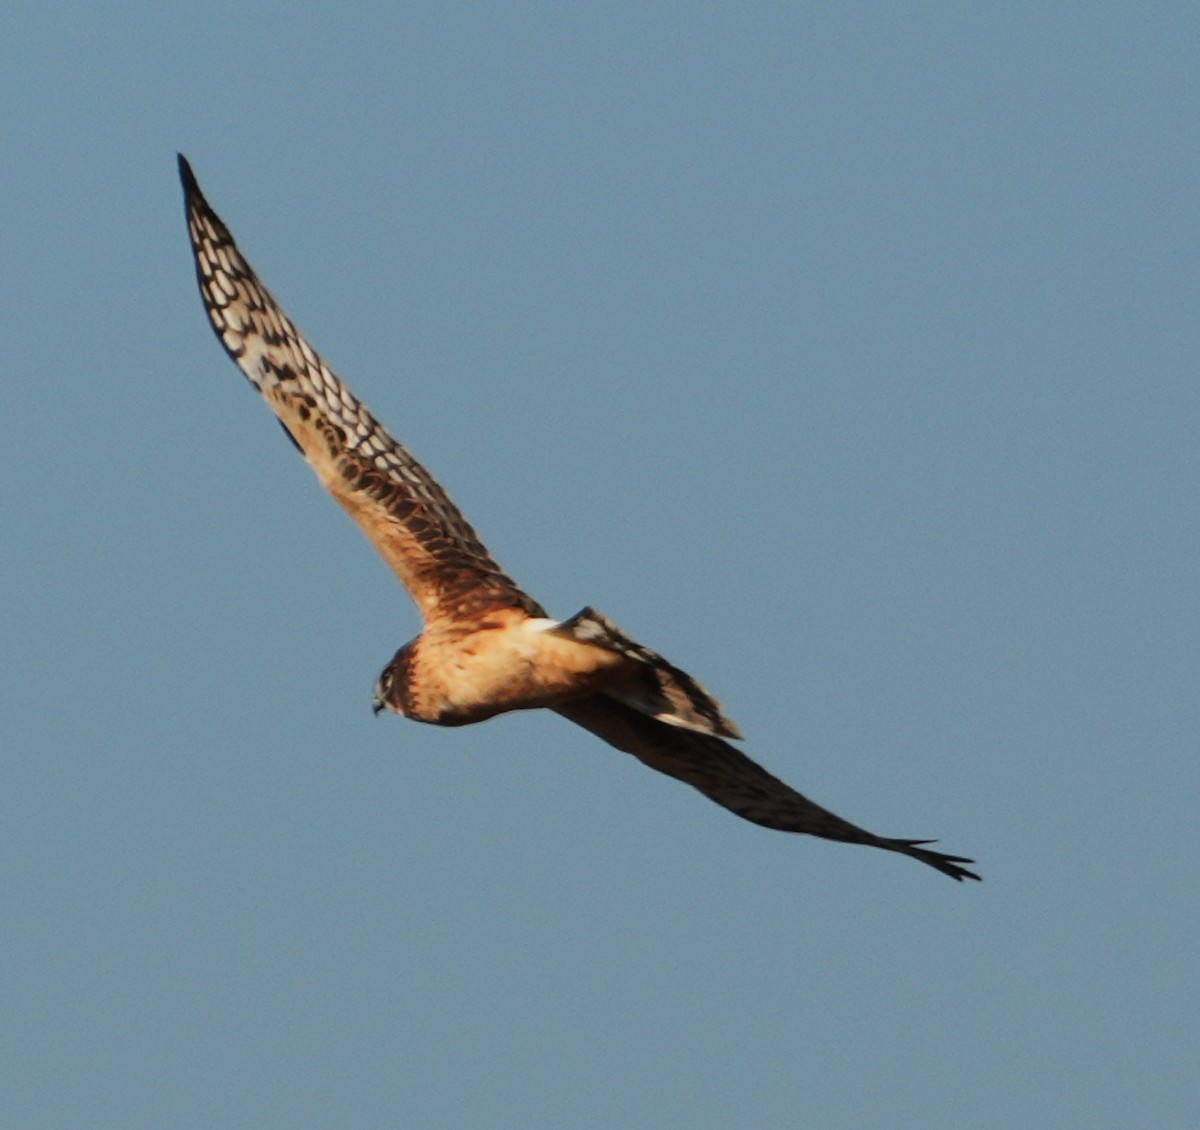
(391, 688)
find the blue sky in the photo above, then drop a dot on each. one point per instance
(848, 358)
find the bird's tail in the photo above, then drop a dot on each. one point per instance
(657, 688)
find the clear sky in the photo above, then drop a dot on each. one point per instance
(845, 354)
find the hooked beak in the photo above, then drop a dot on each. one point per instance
(377, 704)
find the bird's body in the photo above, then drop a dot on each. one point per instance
(486, 646)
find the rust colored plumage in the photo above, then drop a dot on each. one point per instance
(486, 646)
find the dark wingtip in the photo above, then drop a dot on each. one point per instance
(946, 864)
(186, 175)
(949, 865)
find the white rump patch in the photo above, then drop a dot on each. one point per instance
(539, 624)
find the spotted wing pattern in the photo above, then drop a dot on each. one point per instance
(670, 723)
(729, 777)
(399, 506)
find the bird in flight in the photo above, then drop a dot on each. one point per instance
(486, 647)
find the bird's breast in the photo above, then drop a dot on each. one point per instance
(467, 678)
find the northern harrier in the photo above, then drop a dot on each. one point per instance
(486, 647)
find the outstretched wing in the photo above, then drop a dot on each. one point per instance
(399, 506)
(729, 777)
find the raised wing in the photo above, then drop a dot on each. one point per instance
(729, 777)
(401, 508)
